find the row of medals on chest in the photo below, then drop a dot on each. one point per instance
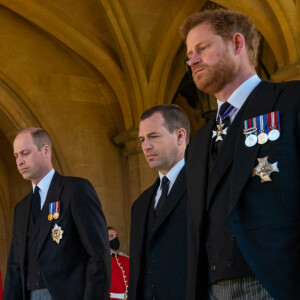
(252, 138)
(54, 216)
(251, 135)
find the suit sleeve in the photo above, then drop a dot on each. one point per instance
(13, 279)
(91, 225)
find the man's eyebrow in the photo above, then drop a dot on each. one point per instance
(150, 133)
(199, 44)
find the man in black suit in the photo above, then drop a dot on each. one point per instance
(59, 247)
(243, 169)
(158, 219)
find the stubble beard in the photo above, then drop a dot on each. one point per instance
(216, 76)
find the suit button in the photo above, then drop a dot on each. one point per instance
(232, 237)
(149, 272)
(37, 283)
(39, 273)
(152, 286)
(230, 264)
(213, 267)
(208, 243)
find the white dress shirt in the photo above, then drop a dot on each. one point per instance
(44, 186)
(239, 96)
(171, 175)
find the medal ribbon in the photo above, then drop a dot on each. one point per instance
(262, 123)
(273, 121)
(254, 123)
(250, 126)
(51, 208)
(57, 207)
(227, 113)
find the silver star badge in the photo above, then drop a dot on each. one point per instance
(57, 233)
(264, 169)
(219, 132)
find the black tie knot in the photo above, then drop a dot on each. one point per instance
(36, 190)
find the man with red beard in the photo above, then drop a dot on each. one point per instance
(242, 169)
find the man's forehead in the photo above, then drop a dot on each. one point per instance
(23, 141)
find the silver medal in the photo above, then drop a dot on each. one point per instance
(251, 140)
(262, 138)
(273, 135)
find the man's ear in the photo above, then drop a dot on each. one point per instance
(181, 136)
(239, 43)
(47, 151)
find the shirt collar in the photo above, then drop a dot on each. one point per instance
(239, 96)
(173, 173)
(45, 182)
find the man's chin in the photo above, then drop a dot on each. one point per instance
(151, 164)
(26, 176)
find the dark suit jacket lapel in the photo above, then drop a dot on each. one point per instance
(22, 230)
(53, 195)
(262, 101)
(142, 208)
(176, 193)
(225, 157)
(197, 163)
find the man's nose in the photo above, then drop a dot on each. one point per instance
(194, 59)
(20, 161)
(146, 144)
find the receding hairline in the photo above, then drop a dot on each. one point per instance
(32, 131)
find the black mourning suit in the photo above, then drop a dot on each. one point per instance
(158, 245)
(76, 268)
(258, 224)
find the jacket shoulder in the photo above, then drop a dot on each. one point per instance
(148, 193)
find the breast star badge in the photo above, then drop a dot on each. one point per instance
(264, 169)
(57, 233)
(219, 132)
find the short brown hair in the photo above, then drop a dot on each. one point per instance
(225, 24)
(175, 117)
(39, 136)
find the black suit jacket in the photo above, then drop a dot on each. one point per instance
(264, 217)
(79, 266)
(168, 241)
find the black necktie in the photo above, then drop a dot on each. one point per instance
(36, 203)
(164, 194)
(226, 123)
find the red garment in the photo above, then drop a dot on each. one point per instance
(119, 274)
(1, 289)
